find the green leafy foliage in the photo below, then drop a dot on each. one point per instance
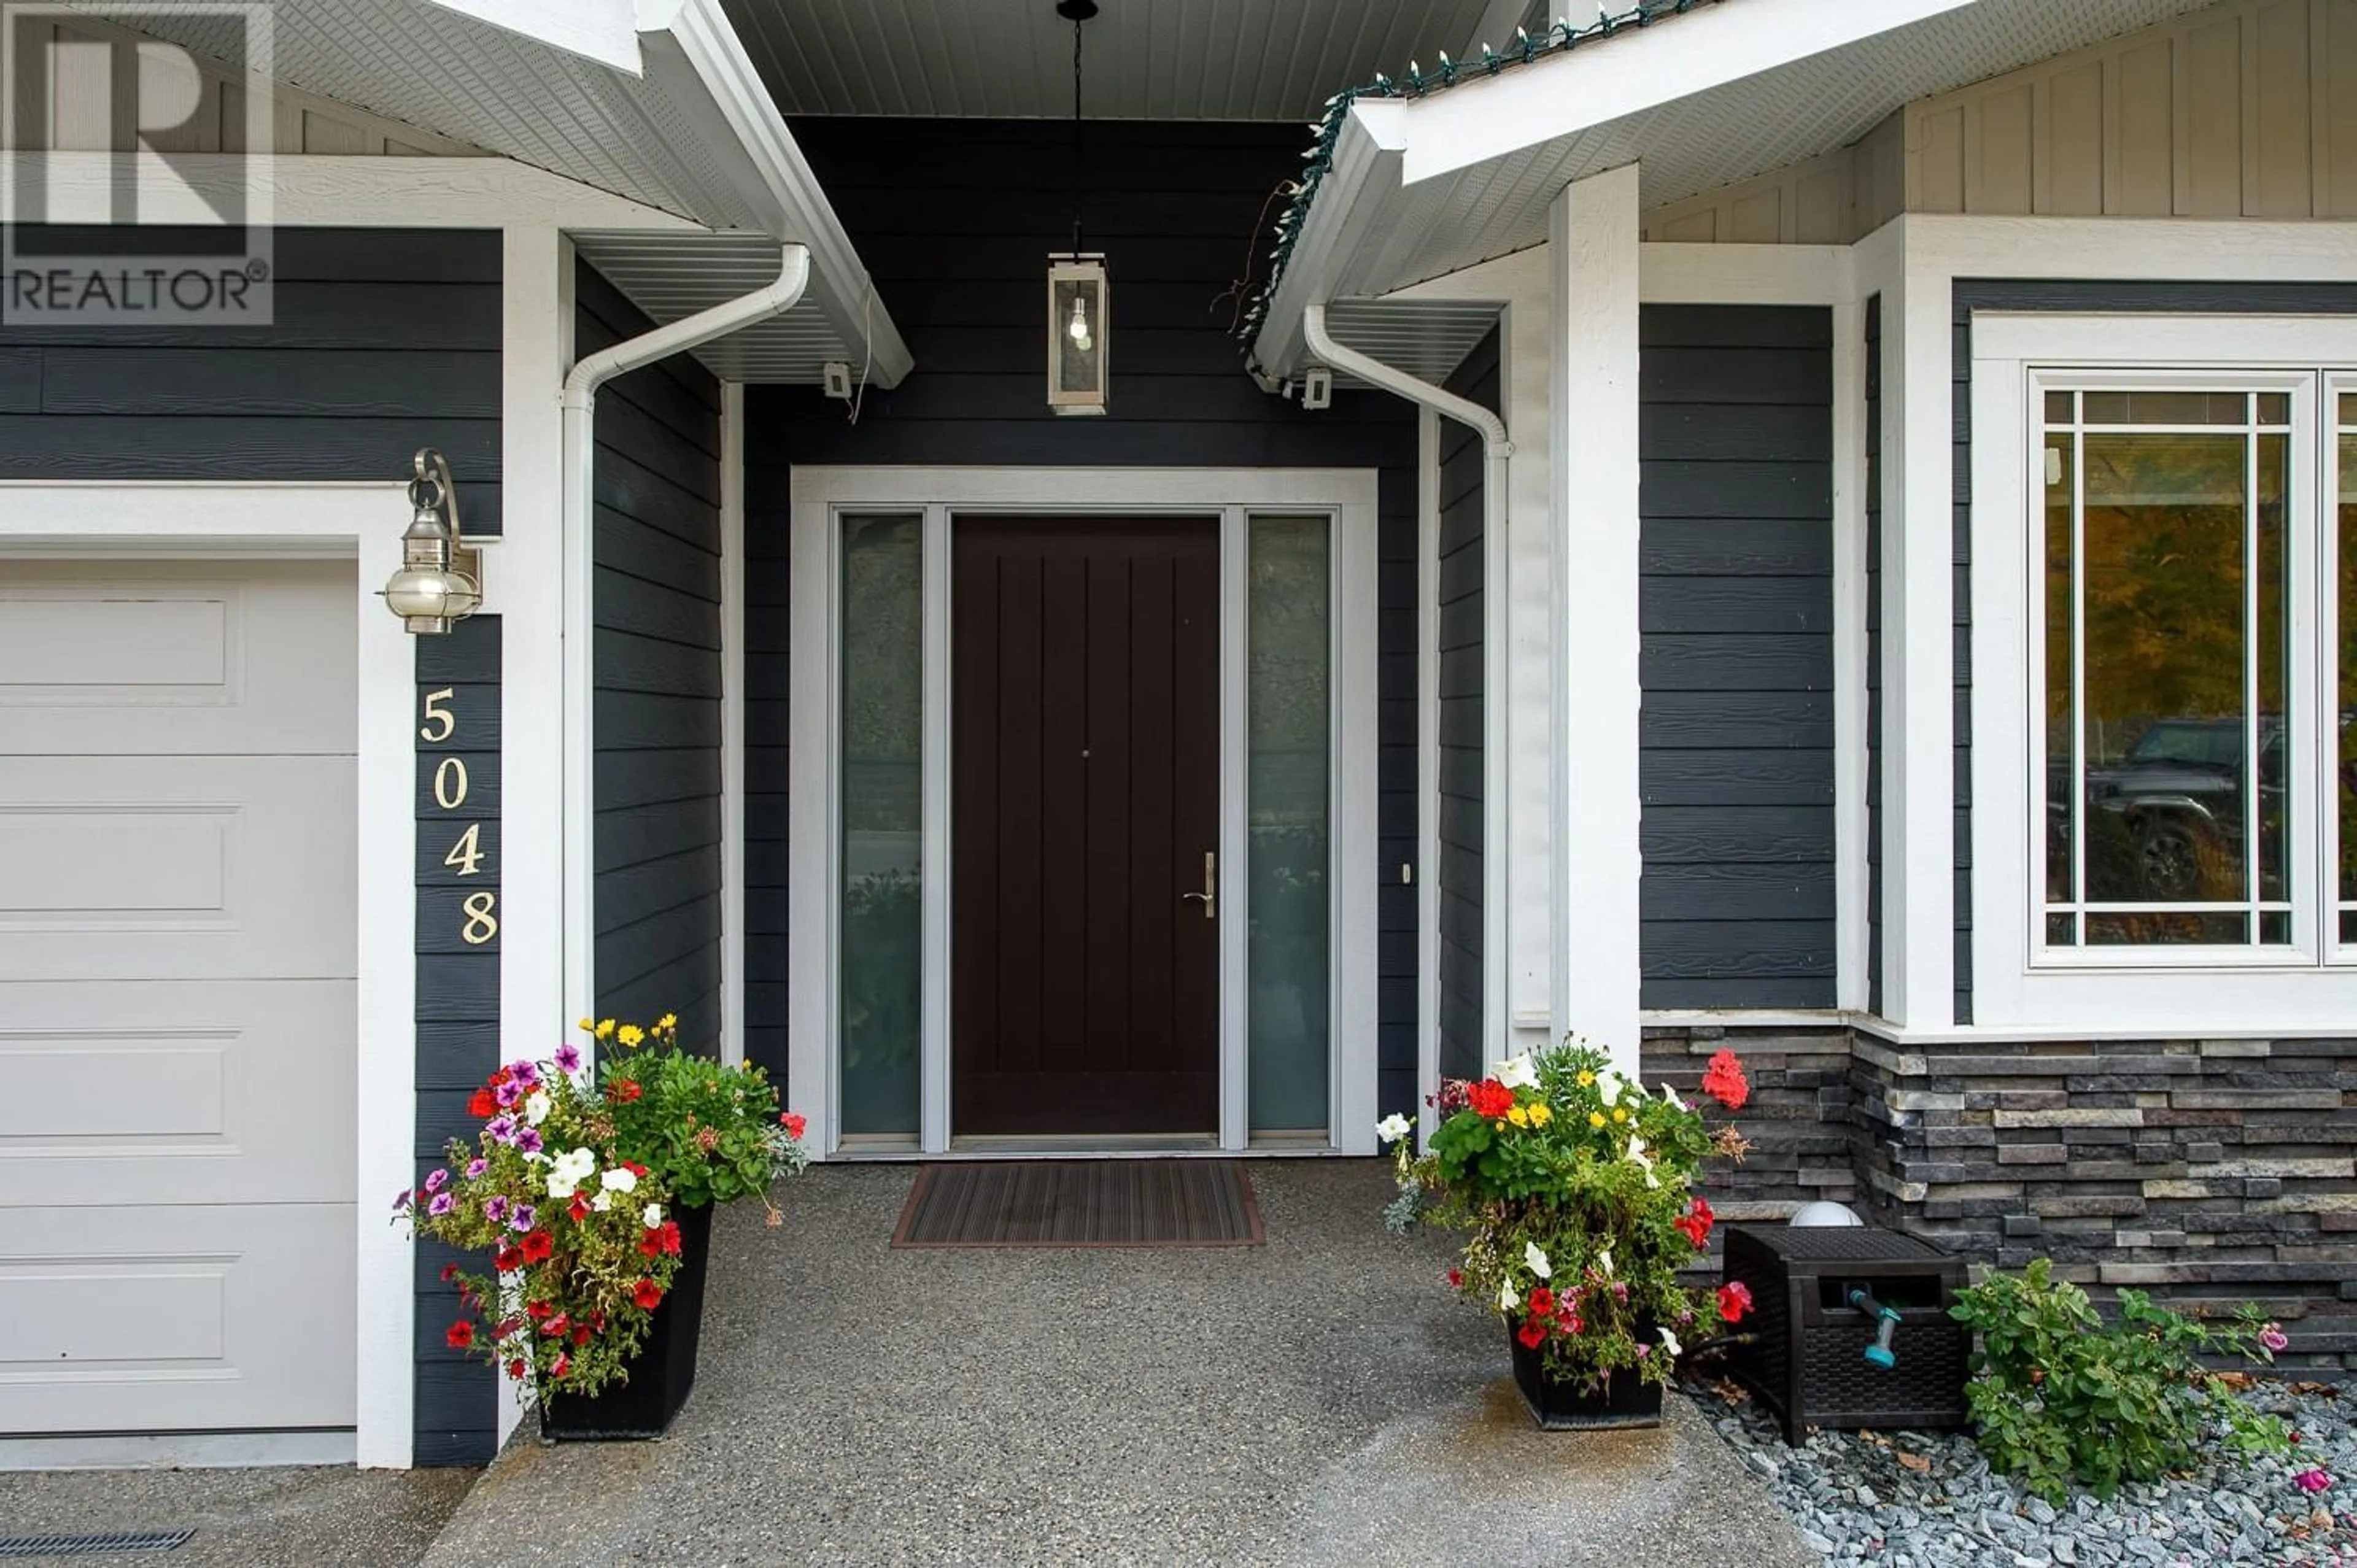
(712, 1132)
(2061, 1395)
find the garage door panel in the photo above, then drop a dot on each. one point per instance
(158, 868)
(106, 1326)
(229, 1091)
(188, 658)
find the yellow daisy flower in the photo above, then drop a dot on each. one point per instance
(667, 1023)
(1541, 1114)
(586, 1024)
(605, 1029)
(630, 1035)
(1596, 1119)
(1618, 1114)
(1519, 1117)
(1586, 1079)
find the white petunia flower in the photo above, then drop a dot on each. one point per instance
(568, 1170)
(618, 1179)
(1604, 1261)
(1538, 1260)
(1393, 1128)
(652, 1215)
(1670, 1343)
(1516, 1072)
(1609, 1084)
(1645, 1161)
(1671, 1096)
(1507, 1300)
(535, 1107)
(602, 1202)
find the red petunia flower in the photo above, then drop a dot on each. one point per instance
(597, 1320)
(650, 1243)
(536, 1310)
(580, 1334)
(1489, 1098)
(1734, 1300)
(498, 1077)
(1695, 1222)
(516, 1370)
(1542, 1303)
(537, 1246)
(671, 1237)
(555, 1326)
(460, 1335)
(1532, 1333)
(449, 1272)
(563, 1365)
(647, 1294)
(1724, 1081)
(793, 1124)
(509, 1261)
(483, 1106)
(1570, 1322)
(622, 1090)
(635, 1168)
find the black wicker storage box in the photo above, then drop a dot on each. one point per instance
(1808, 1357)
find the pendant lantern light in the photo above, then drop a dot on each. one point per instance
(1080, 326)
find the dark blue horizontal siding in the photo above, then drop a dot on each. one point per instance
(1735, 618)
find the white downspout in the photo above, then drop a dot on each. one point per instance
(578, 402)
(1495, 449)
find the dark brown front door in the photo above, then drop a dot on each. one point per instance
(1084, 795)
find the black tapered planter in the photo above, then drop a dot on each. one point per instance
(1628, 1400)
(663, 1372)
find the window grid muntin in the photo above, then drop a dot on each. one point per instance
(2305, 646)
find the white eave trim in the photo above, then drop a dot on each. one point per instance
(699, 63)
(1675, 58)
(1363, 179)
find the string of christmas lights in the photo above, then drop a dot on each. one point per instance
(1417, 83)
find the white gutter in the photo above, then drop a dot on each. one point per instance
(1496, 448)
(579, 401)
(1357, 190)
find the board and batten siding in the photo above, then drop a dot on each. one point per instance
(955, 219)
(382, 341)
(2242, 110)
(1463, 475)
(1735, 620)
(656, 609)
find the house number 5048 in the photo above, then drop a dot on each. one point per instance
(450, 786)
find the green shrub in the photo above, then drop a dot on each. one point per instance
(2058, 1394)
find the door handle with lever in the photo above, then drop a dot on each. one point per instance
(1209, 896)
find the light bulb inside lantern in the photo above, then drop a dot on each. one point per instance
(1079, 326)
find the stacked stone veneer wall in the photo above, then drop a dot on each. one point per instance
(2209, 1172)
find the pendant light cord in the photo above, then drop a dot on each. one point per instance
(1076, 135)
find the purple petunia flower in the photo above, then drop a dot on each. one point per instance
(495, 1210)
(402, 1201)
(568, 1058)
(442, 1204)
(522, 1218)
(502, 1129)
(529, 1141)
(524, 1072)
(508, 1093)
(476, 1167)
(438, 1181)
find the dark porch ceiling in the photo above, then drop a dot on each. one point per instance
(1147, 59)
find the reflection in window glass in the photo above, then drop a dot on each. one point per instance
(2166, 648)
(2346, 706)
(1289, 811)
(882, 976)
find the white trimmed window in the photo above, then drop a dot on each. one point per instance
(2163, 719)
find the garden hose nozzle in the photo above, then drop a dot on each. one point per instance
(1880, 1353)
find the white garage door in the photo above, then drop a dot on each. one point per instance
(176, 995)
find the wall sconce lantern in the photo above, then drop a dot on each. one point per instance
(1078, 327)
(440, 582)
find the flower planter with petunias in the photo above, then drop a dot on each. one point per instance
(589, 1196)
(1573, 1187)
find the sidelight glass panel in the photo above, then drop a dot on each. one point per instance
(2345, 676)
(881, 982)
(1289, 807)
(2168, 656)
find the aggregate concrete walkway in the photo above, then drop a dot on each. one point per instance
(320, 1517)
(1320, 1401)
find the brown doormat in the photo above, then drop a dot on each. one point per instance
(1081, 1203)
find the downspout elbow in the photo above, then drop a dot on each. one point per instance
(1495, 444)
(772, 298)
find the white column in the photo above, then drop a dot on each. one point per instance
(1592, 512)
(1917, 757)
(1517, 686)
(536, 346)
(732, 722)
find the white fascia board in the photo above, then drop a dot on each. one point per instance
(699, 64)
(1604, 80)
(606, 31)
(1360, 185)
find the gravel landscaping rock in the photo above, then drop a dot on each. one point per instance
(1913, 1499)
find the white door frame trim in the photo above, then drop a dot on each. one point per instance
(54, 518)
(821, 494)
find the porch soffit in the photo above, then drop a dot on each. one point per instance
(640, 136)
(1434, 226)
(1147, 59)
